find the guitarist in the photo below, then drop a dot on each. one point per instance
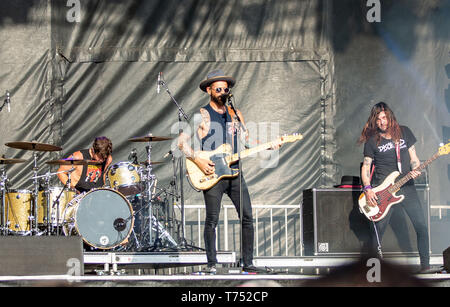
(216, 128)
(390, 147)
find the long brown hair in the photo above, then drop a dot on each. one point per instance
(370, 128)
(102, 146)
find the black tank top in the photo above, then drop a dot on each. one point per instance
(91, 176)
(221, 130)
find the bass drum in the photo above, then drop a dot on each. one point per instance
(102, 217)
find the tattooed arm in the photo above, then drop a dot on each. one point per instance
(365, 178)
(365, 171)
(415, 162)
(205, 165)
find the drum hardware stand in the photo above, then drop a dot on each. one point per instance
(34, 211)
(181, 115)
(149, 182)
(160, 232)
(4, 210)
(157, 244)
(6, 102)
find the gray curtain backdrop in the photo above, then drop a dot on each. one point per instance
(314, 67)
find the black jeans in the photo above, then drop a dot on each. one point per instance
(413, 208)
(213, 199)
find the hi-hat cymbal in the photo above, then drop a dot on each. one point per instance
(149, 138)
(4, 160)
(73, 162)
(33, 146)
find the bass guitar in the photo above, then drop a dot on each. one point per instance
(386, 191)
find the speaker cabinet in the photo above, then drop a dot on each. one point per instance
(333, 225)
(446, 260)
(43, 255)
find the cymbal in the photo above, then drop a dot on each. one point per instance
(4, 160)
(149, 138)
(73, 162)
(33, 146)
(152, 163)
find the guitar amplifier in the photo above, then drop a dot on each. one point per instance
(333, 225)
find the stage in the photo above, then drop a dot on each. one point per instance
(186, 269)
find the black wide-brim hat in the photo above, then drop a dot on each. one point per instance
(214, 76)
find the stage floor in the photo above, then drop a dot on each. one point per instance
(186, 269)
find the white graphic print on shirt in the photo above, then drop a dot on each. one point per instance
(390, 145)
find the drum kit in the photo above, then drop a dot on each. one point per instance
(130, 213)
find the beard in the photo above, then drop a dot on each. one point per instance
(222, 99)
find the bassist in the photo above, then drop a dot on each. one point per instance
(390, 147)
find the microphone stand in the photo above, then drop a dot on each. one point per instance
(6, 102)
(241, 204)
(181, 114)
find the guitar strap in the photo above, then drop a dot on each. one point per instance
(231, 112)
(371, 172)
(397, 151)
(235, 122)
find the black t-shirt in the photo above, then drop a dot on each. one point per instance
(385, 158)
(91, 176)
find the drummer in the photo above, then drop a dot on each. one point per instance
(89, 176)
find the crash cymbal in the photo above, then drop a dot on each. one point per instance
(152, 163)
(149, 138)
(33, 146)
(4, 160)
(73, 162)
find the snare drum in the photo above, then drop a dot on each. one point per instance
(18, 210)
(124, 177)
(53, 193)
(102, 217)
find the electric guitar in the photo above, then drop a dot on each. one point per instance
(223, 157)
(386, 191)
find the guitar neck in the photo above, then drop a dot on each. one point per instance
(247, 152)
(408, 176)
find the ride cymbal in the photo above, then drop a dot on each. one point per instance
(73, 162)
(33, 146)
(4, 160)
(149, 138)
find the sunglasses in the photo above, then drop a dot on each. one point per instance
(219, 89)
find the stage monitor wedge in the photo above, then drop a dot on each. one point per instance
(41, 255)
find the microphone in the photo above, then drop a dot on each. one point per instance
(8, 101)
(132, 157)
(167, 154)
(158, 88)
(230, 95)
